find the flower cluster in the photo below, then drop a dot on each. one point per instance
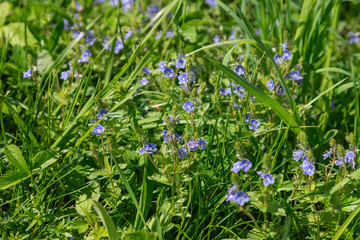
(307, 167)
(148, 148)
(267, 178)
(239, 197)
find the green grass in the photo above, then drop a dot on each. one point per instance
(59, 180)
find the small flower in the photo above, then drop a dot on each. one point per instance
(85, 56)
(202, 144)
(102, 113)
(287, 55)
(164, 133)
(284, 46)
(241, 198)
(349, 157)
(339, 161)
(118, 46)
(224, 91)
(327, 154)
(150, 147)
(216, 39)
(247, 117)
(261, 174)
(169, 33)
(179, 137)
(230, 196)
(211, 3)
(180, 63)
(152, 10)
(161, 66)
(278, 59)
(90, 39)
(98, 130)
(183, 78)
(239, 70)
(295, 75)
(245, 164)
(146, 70)
(182, 153)
(191, 76)
(308, 168)
(270, 85)
(27, 74)
(192, 145)
(168, 72)
(297, 155)
(254, 124)
(143, 82)
(280, 90)
(67, 25)
(240, 91)
(78, 7)
(188, 106)
(106, 43)
(65, 75)
(268, 179)
(128, 34)
(232, 189)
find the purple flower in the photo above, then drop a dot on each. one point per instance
(65, 75)
(241, 198)
(261, 174)
(153, 10)
(230, 196)
(90, 39)
(239, 70)
(339, 161)
(192, 145)
(270, 85)
(183, 78)
(254, 124)
(146, 70)
(118, 46)
(180, 63)
(106, 43)
(284, 46)
(216, 39)
(102, 113)
(182, 153)
(168, 72)
(169, 33)
(211, 3)
(202, 144)
(232, 189)
(268, 179)
(85, 56)
(349, 157)
(308, 168)
(78, 6)
(143, 82)
(161, 66)
(224, 91)
(179, 138)
(27, 74)
(287, 55)
(191, 76)
(188, 106)
(297, 155)
(247, 117)
(280, 90)
(128, 34)
(98, 130)
(278, 59)
(295, 75)
(245, 164)
(327, 154)
(67, 25)
(150, 147)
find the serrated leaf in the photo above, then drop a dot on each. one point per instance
(83, 205)
(9, 179)
(44, 158)
(106, 220)
(141, 235)
(15, 157)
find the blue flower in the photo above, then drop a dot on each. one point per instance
(78, 6)
(179, 138)
(308, 168)
(349, 157)
(106, 44)
(164, 133)
(339, 161)
(192, 145)
(169, 33)
(254, 124)
(143, 82)
(102, 113)
(146, 70)
(168, 72)
(27, 74)
(241, 198)
(224, 91)
(245, 164)
(284, 46)
(85, 56)
(237, 167)
(231, 196)
(98, 130)
(353, 38)
(161, 66)
(280, 90)
(118, 46)
(188, 106)
(150, 147)
(295, 75)
(232, 189)
(182, 153)
(240, 58)
(211, 3)
(240, 91)
(76, 33)
(270, 85)
(239, 70)
(202, 144)
(65, 75)
(126, 4)
(278, 59)
(297, 155)
(268, 179)
(180, 63)
(261, 174)
(67, 25)
(90, 39)
(183, 78)
(247, 117)
(152, 10)
(287, 55)
(128, 34)
(216, 39)
(191, 76)
(327, 154)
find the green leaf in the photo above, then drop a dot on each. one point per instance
(16, 33)
(16, 158)
(44, 159)
(83, 205)
(9, 179)
(106, 220)
(261, 96)
(44, 62)
(141, 235)
(346, 223)
(5, 9)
